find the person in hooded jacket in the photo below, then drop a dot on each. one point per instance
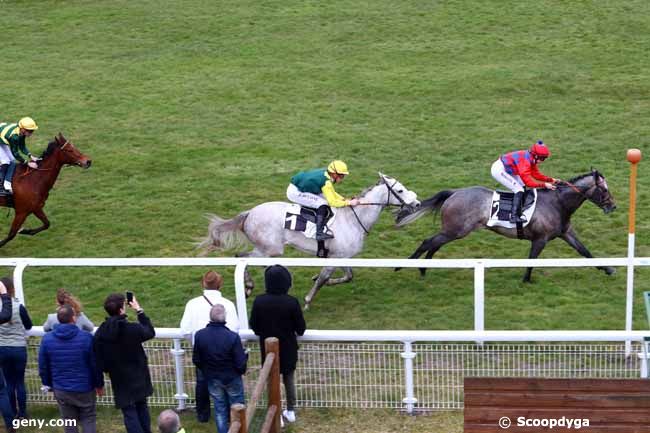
(277, 314)
(119, 352)
(66, 364)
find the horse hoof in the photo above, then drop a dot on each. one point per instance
(248, 293)
(315, 277)
(306, 307)
(423, 272)
(610, 271)
(397, 269)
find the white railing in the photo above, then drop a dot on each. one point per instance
(404, 339)
(479, 266)
(407, 370)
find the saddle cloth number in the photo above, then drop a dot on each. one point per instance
(500, 209)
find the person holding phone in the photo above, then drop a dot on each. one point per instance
(119, 352)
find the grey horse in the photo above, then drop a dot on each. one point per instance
(263, 226)
(465, 210)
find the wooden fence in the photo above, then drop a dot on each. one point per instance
(493, 405)
(241, 415)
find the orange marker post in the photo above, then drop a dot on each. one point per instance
(633, 156)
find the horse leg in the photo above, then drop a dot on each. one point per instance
(537, 245)
(249, 283)
(344, 279)
(434, 244)
(572, 239)
(41, 216)
(19, 219)
(324, 275)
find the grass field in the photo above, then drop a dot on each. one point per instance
(210, 107)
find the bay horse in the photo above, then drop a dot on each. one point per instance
(31, 187)
(465, 210)
(263, 226)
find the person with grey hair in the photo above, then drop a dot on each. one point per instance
(169, 422)
(219, 354)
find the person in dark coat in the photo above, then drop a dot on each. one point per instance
(5, 405)
(66, 364)
(219, 354)
(119, 352)
(276, 314)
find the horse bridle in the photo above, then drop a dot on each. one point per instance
(387, 204)
(591, 197)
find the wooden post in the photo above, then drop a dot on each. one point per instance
(238, 415)
(272, 345)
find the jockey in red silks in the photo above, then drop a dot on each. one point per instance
(518, 169)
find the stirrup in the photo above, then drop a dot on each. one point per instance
(519, 220)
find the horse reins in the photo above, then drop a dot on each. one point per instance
(387, 204)
(584, 193)
(30, 170)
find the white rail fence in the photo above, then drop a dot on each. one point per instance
(338, 369)
(410, 370)
(479, 266)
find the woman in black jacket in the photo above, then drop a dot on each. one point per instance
(276, 314)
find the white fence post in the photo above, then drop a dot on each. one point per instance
(408, 356)
(178, 353)
(240, 294)
(18, 281)
(479, 296)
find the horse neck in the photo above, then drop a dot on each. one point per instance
(571, 200)
(48, 171)
(369, 214)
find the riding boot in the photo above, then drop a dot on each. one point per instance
(10, 176)
(321, 215)
(517, 204)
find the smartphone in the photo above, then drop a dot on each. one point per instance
(129, 297)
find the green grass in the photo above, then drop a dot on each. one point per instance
(211, 109)
(309, 421)
(211, 106)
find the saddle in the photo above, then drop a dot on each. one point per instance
(303, 219)
(501, 208)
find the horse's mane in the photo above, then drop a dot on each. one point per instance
(582, 176)
(365, 191)
(50, 149)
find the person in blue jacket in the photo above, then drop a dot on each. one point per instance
(66, 364)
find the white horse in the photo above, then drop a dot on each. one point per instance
(263, 226)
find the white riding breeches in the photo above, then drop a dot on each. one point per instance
(5, 154)
(305, 198)
(512, 182)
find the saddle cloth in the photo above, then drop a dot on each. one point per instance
(303, 219)
(502, 206)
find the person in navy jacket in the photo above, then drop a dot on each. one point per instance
(219, 354)
(66, 364)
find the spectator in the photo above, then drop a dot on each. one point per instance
(63, 297)
(276, 314)
(13, 352)
(169, 422)
(66, 364)
(5, 406)
(196, 317)
(219, 354)
(119, 351)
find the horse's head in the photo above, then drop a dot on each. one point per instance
(398, 194)
(69, 154)
(594, 187)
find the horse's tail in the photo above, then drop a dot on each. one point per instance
(224, 234)
(432, 204)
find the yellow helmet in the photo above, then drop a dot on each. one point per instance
(338, 167)
(27, 123)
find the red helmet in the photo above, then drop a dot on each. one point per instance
(539, 149)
